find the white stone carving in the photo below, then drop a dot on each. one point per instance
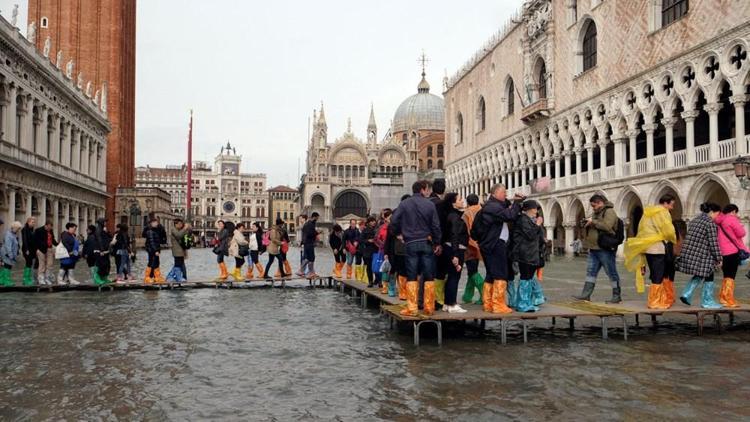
(537, 22)
(79, 83)
(69, 69)
(31, 32)
(14, 16)
(47, 46)
(88, 89)
(58, 62)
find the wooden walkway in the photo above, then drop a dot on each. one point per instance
(571, 311)
(320, 281)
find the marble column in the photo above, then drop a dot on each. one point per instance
(23, 133)
(590, 162)
(9, 128)
(42, 136)
(54, 139)
(739, 123)
(669, 123)
(569, 237)
(713, 129)
(689, 116)
(11, 207)
(56, 215)
(579, 165)
(619, 142)
(29, 209)
(649, 129)
(84, 168)
(632, 135)
(75, 150)
(568, 169)
(603, 158)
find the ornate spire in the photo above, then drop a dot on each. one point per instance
(371, 125)
(322, 116)
(424, 86)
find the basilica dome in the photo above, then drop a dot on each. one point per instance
(421, 111)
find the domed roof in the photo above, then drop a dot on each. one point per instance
(421, 111)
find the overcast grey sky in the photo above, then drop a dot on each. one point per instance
(254, 70)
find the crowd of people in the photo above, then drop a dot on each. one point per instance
(418, 251)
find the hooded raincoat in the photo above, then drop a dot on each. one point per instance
(655, 227)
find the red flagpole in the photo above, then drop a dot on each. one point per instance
(189, 208)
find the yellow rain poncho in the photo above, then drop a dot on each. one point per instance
(655, 226)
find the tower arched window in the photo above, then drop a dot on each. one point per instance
(589, 46)
(429, 164)
(429, 151)
(459, 128)
(481, 109)
(440, 151)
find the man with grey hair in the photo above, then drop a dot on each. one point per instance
(495, 216)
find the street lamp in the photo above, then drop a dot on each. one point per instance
(742, 171)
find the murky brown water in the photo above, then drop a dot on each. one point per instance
(313, 354)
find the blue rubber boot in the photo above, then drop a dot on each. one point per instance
(524, 303)
(707, 296)
(174, 275)
(537, 295)
(391, 285)
(687, 295)
(512, 294)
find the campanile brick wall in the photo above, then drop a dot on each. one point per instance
(99, 35)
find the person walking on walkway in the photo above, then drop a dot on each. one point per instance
(472, 255)
(239, 248)
(454, 249)
(395, 250)
(600, 228)
(494, 222)
(369, 249)
(336, 242)
(103, 241)
(351, 244)
(181, 239)
(731, 237)
(417, 223)
(122, 250)
(274, 248)
(45, 242)
(701, 256)
(255, 241)
(528, 252)
(309, 237)
(649, 247)
(9, 253)
(221, 247)
(28, 249)
(89, 246)
(69, 240)
(152, 237)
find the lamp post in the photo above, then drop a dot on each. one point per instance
(742, 171)
(135, 215)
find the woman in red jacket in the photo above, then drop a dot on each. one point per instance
(731, 236)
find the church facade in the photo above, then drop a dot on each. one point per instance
(629, 99)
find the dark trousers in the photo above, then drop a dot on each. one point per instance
(730, 264)
(472, 266)
(451, 283)
(253, 258)
(496, 262)
(339, 257)
(309, 251)
(153, 261)
(656, 267)
(179, 262)
(219, 258)
(368, 269)
(527, 271)
(29, 259)
(239, 262)
(270, 262)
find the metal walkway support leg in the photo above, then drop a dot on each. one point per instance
(364, 300)
(605, 334)
(637, 320)
(525, 332)
(717, 322)
(625, 327)
(700, 316)
(503, 332)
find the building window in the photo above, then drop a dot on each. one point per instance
(45, 22)
(510, 94)
(440, 164)
(672, 10)
(481, 109)
(542, 79)
(429, 164)
(429, 151)
(440, 151)
(589, 46)
(572, 12)
(459, 128)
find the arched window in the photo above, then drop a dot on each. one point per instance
(481, 109)
(510, 97)
(429, 164)
(542, 80)
(45, 22)
(429, 151)
(589, 46)
(440, 151)
(459, 128)
(440, 164)
(672, 10)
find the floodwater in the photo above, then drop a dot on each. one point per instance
(314, 354)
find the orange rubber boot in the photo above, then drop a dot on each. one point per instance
(412, 290)
(656, 297)
(668, 292)
(429, 297)
(402, 287)
(287, 268)
(147, 277)
(158, 278)
(223, 273)
(499, 290)
(349, 272)
(726, 296)
(487, 297)
(261, 270)
(249, 273)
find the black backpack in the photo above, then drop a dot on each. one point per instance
(610, 242)
(478, 227)
(187, 241)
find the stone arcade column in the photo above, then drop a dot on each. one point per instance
(23, 133)
(689, 116)
(590, 162)
(29, 209)
(42, 201)
(632, 134)
(55, 216)
(649, 129)
(579, 165)
(66, 145)
(603, 158)
(713, 129)
(568, 170)
(53, 137)
(739, 123)
(85, 157)
(11, 207)
(76, 217)
(619, 142)
(75, 149)
(569, 235)
(42, 134)
(669, 123)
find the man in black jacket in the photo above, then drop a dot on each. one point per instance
(28, 248)
(351, 243)
(309, 237)
(496, 215)
(44, 240)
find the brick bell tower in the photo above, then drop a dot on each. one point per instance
(99, 36)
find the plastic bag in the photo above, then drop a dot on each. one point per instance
(377, 260)
(385, 268)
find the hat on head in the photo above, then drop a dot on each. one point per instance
(530, 204)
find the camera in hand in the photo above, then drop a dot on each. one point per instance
(583, 222)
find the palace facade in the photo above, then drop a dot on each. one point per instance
(632, 99)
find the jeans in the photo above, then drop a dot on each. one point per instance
(253, 259)
(527, 271)
(419, 260)
(309, 251)
(239, 261)
(598, 259)
(451, 283)
(124, 267)
(179, 262)
(270, 262)
(355, 259)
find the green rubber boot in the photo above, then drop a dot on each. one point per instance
(28, 277)
(479, 284)
(468, 295)
(99, 280)
(5, 280)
